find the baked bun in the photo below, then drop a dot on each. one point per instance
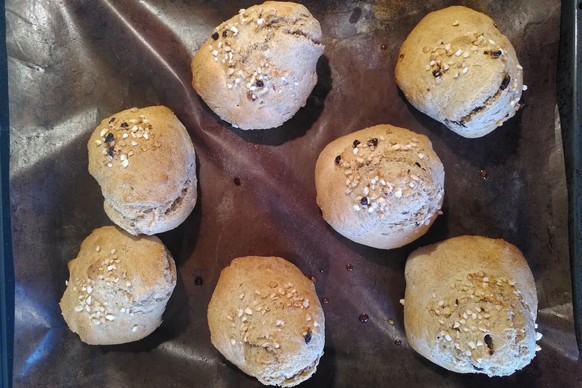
(382, 186)
(459, 69)
(471, 306)
(265, 318)
(145, 163)
(118, 287)
(258, 68)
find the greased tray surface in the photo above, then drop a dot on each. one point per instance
(70, 64)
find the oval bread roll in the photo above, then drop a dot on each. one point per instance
(258, 68)
(471, 306)
(265, 317)
(145, 163)
(459, 69)
(382, 186)
(118, 287)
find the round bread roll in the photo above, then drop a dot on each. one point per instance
(382, 186)
(265, 317)
(459, 69)
(145, 163)
(118, 287)
(259, 67)
(471, 306)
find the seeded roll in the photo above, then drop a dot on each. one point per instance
(258, 68)
(382, 186)
(118, 287)
(265, 317)
(458, 68)
(470, 306)
(145, 163)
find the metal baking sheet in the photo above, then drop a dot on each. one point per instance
(6, 264)
(72, 63)
(569, 89)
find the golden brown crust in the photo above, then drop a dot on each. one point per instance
(265, 317)
(470, 305)
(145, 163)
(118, 287)
(259, 67)
(459, 69)
(382, 186)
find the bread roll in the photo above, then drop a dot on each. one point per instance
(459, 69)
(145, 163)
(258, 68)
(382, 186)
(118, 287)
(471, 306)
(265, 317)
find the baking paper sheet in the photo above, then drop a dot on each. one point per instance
(71, 63)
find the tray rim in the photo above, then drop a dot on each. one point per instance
(6, 260)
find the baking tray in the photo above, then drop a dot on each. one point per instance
(569, 100)
(6, 266)
(257, 193)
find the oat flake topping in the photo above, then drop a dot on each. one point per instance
(375, 191)
(122, 139)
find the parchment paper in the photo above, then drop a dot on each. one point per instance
(71, 63)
